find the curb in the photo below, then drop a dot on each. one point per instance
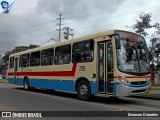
(4, 81)
(147, 97)
(155, 88)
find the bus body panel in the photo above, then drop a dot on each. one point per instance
(64, 77)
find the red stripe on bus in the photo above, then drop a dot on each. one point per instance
(135, 76)
(48, 73)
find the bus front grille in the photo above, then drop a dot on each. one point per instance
(139, 83)
(138, 91)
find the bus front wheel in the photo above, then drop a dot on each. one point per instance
(83, 90)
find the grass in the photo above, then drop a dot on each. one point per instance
(154, 95)
(155, 87)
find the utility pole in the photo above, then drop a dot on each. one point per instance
(68, 32)
(59, 24)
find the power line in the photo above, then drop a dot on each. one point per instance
(51, 39)
(80, 16)
(98, 25)
(93, 26)
(114, 16)
(109, 10)
(101, 25)
(23, 33)
(70, 18)
(109, 24)
(82, 10)
(29, 36)
(33, 26)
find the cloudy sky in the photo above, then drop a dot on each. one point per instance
(34, 21)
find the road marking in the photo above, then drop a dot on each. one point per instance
(121, 109)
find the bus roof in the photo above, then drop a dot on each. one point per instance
(87, 37)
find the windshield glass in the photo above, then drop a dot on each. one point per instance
(132, 54)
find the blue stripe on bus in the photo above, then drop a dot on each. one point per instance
(63, 85)
(11, 81)
(114, 86)
(94, 88)
(18, 81)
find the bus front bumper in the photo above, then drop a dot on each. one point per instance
(122, 90)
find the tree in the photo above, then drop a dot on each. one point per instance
(140, 27)
(143, 24)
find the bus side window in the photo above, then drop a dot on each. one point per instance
(82, 51)
(62, 55)
(47, 57)
(35, 59)
(25, 60)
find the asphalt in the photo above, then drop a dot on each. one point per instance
(15, 98)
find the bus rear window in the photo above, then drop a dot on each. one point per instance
(82, 52)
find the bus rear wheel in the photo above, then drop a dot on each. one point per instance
(26, 84)
(83, 90)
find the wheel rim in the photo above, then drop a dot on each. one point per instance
(83, 90)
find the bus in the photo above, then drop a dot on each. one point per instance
(109, 63)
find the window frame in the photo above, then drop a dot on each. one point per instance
(47, 56)
(55, 54)
(28, 54)
(20, 60)
(91, 47)
(34, 59)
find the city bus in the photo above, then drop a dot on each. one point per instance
(109, 63)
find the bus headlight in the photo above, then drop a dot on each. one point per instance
(123, 80)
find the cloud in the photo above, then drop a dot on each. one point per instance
(34, 21)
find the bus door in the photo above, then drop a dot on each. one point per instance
(15, 70)
(105, 67)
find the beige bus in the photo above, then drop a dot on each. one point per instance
(109, 63)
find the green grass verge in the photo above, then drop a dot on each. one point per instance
(154, 95)
(155, 87)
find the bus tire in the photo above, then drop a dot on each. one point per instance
(26, 84)
(83, 90)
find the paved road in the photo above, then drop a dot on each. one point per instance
(14, 98)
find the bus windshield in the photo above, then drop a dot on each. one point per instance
(132, 54)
